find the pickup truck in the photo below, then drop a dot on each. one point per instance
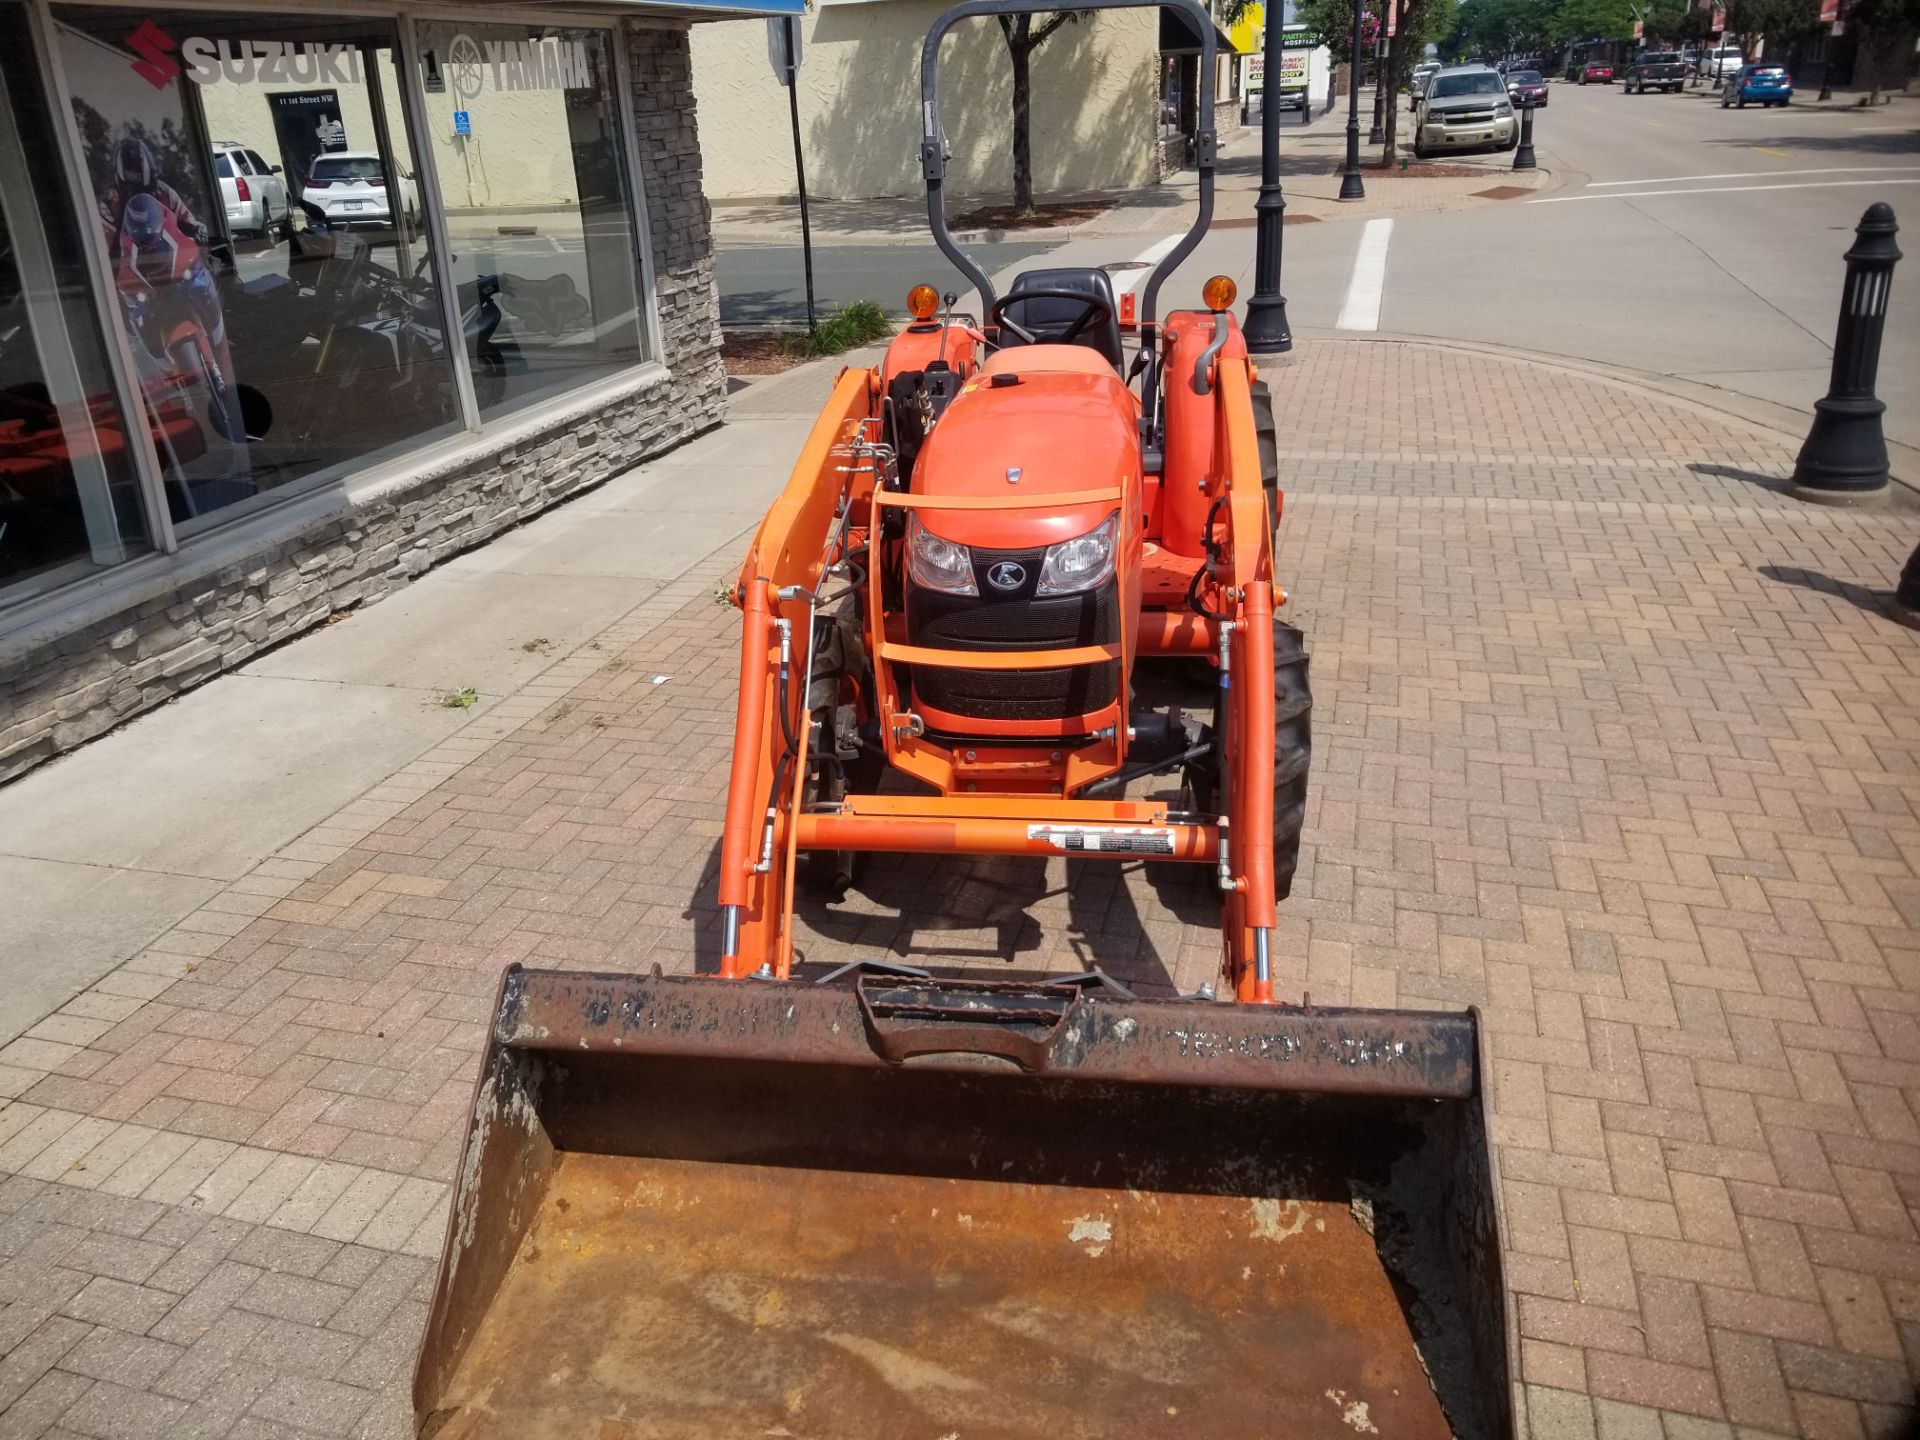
(1661, 71)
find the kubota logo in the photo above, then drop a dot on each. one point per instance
(1007, 576)
(155, 48)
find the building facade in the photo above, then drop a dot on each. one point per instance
(298, 300)
(1095, 104)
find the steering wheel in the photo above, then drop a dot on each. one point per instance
(1094, 311)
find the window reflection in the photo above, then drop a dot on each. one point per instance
(68, 499)
(255, 190)
(527, 143)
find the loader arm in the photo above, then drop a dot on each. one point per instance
(789, 559)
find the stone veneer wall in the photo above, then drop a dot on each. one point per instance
(72, 688)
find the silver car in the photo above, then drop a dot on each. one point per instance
(1417, 87)
(1466, 107)
(251, 190)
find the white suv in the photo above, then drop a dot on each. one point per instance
(252, 191)
(1722, 64)
(351, 187)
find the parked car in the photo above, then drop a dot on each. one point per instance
(1417, 87)
(1654, 70)
(351, 188)
(1722, 64)
(1765, 84)
(251, 189)
(1465, 108)
(1526, 87)
(1596, 72)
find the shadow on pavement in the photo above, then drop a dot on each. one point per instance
(1775, 483)
(974, 916)
(1874, 602)
(1863, 142)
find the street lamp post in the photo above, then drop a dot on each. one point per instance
(1351, 186)
(1375, 136)
(1267, 331)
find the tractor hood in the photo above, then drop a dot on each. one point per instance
(1021, 427)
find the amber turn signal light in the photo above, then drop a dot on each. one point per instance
(1219, 293)
(922, 302)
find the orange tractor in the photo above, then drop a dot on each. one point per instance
(887, 1203)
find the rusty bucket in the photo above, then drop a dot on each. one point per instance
(903, 1207)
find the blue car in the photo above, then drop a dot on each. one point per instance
(1767, 84)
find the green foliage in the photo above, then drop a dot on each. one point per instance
(1781, 21)
(1575, 20)
(857, 323)
(1328, 21)
(465, 698)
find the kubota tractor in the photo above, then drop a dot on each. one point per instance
(886, 1203)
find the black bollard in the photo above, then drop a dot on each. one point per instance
(1523, 157)
(1845, 455)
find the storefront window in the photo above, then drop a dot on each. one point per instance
(256, 188)
(69, 501)
(525, 132)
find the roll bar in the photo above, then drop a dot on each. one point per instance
(933, 159)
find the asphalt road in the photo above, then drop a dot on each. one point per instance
(766, 284)
(1683, 239)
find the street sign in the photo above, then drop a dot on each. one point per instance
(462, 123)
(784, 47)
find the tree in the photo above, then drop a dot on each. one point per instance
(1575, 20)
(1781, 21)
(1886, 31)
(1023, 38)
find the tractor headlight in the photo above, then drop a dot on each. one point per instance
(1081, 563)
(936, 564)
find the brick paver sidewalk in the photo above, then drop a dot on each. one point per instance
(1613, 740)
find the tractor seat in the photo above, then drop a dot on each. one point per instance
(1049, 319)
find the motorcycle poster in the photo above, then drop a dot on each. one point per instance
(162, 218)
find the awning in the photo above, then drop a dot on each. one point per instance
(690, 9)
(1177, 36)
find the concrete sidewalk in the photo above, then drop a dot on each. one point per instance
(1312, 156)
(1613, 739)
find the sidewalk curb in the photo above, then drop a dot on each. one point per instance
(1780, 422)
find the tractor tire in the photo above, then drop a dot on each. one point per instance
(1292, 751)
(1264, 433)
(838, 652)
(1292, 756)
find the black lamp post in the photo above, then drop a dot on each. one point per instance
(1375, 136)
(1845, 454)
(1351, 186)
(1267, 330)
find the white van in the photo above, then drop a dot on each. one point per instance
(1723, 64)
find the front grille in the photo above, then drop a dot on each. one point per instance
(1468, 117)
(1013, 619)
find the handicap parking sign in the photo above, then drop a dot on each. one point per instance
(462, 125)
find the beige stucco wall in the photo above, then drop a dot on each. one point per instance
(519, 155)
(1094, 89)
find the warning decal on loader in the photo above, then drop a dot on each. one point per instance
(1103, 839)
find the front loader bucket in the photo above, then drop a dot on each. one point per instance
(899, 1207)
